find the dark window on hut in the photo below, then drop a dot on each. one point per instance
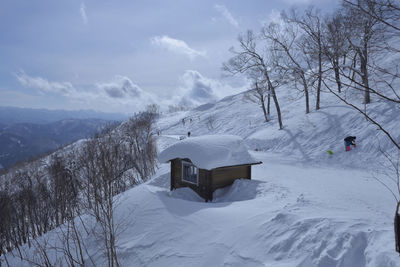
(190, 173)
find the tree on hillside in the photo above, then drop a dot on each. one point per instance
(373, 35)
(84, 178)
(138, 133)
(289, 54)
(365, 36)
(385, 78)
(385, 11)
(258, 94)
(382, 80)
(65, 188)
(310, 24)
(103, 164)
(250, 61)
(7, 219)
(334, 44)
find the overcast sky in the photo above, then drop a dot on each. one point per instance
(119, 56)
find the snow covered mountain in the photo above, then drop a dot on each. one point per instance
(303, 206)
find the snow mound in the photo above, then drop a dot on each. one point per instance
(210, 151)
(185, 193)
(240, 190)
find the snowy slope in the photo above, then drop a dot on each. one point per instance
(308, 137)
(288, 215)
(303, 207)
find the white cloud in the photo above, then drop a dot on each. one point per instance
(227, 15)
(120, 94)
(82, 11)
(196, 89)
(45, 86)
(121, 87)
(176, 46)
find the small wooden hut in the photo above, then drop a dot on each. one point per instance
(207, 163)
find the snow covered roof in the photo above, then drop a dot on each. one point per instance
(210, 151)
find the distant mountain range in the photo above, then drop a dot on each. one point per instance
(26, 133)
(13, 115)
(24, 140)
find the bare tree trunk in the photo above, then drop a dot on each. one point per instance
(317, 105)
(269, 104)
(278, 110)
(304, 81)
(364, 74)
(337, 74)
(274, 97)
(264, 110)
(397, 227)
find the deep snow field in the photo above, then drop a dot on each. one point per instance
(290, 214)
(303, 206)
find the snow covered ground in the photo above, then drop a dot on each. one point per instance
(290, 214)
(303, 206)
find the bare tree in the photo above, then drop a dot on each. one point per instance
(381, 45)
(373, 23)
(258, 95)
(335, 44)
(7, 219)
(385, 11)
(104, 170)
(289, 54)
(311, 27)
(39, 254)
(248, 60)
(365, 35)
(65, 189)
(84, 179)
(368, 40)
(73, 247)
(139, 133)
(105, 161)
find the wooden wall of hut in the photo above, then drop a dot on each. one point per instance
(208, 181)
